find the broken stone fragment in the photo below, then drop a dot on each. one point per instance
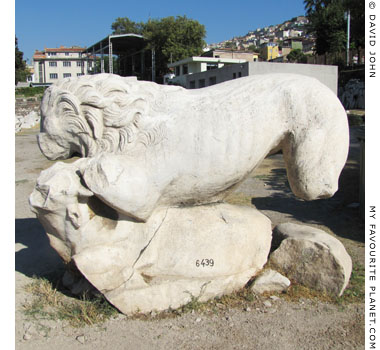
(311, 257)
(270, 281)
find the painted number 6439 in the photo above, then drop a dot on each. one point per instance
(204, 263)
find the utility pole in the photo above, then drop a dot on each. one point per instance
(347, 14)
(153, 65)
(110, 55)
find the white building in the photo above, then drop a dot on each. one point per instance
(294, 33)
(197, 64)
(210, 60)
(52, 64)
(326, 74)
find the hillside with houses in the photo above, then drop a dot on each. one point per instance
(273, 42)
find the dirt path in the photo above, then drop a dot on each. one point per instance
(280, 324)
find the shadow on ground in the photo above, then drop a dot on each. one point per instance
(339, 213)
(37, 258)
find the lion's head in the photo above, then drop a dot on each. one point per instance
(90, 114)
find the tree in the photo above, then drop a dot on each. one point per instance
(21, 71)
(296, 56)
(327, 22)
(253, 48)
(126, 26)
(230, 45)
(172, 38)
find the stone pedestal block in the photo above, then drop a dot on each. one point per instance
(178, 254)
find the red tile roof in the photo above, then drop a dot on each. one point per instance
(42, 54)
(39, 54)
(65, 49)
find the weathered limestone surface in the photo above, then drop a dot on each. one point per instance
(26, 122)
(191, 146)
(140, 214)
(270, 281)
(179, 253)
(311, 257)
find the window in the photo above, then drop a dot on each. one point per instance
(52, 64)
(66, 63)
(67, 54)
(201, 83)
(66, 75)
(80, 63)
(40, 72)
(192, 84)
(52, 54)
(212, 81)
(212, 66)
(79, 74)
(185, 69)
(53, 76)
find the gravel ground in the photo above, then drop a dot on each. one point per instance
(269, 323)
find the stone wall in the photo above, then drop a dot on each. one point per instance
(25, 105)
(326, 74)
(27, 112)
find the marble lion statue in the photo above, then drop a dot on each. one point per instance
(147, 145)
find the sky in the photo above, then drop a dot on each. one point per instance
(40, 24)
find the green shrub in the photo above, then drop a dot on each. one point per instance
(30, 91)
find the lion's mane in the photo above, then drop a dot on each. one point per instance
(102, 112)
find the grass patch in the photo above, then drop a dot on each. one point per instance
(355, 291)
(30, 91)
(296, 292)
(49, 303)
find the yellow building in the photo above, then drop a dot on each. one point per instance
(269, 51)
